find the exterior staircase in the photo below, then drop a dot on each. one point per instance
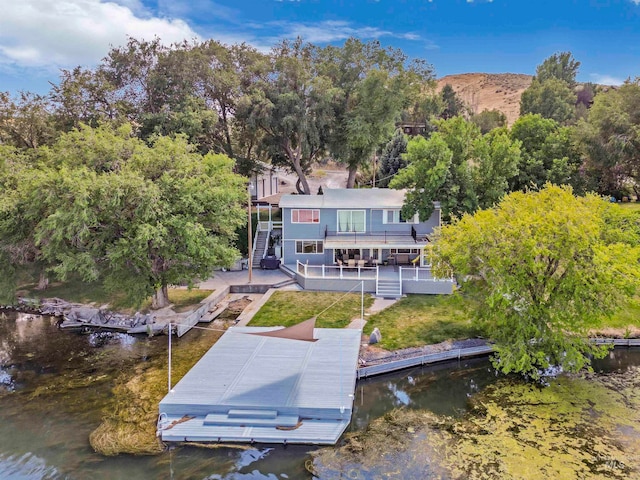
(260, 247)
(389, 288)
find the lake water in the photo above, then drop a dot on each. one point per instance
(48, 408)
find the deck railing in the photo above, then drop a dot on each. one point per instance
(366, 236)
(336, 271)
(419, 274)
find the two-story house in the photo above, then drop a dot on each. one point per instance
(345, 237)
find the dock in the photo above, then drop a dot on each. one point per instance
(254, 388)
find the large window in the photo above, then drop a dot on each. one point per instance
(309, 246)
(305, 215)
(351, 221)
(395, 216)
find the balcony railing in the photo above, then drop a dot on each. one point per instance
(383, 236)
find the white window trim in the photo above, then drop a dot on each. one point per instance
(413, 221)
(321, 242)
(306, 223)
(350, 210)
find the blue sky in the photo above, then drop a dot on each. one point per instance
(38, 37)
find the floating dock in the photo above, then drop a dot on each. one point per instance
(254, 388)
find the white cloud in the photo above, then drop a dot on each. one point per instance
(637, 2)
(606, 79)
(326, 31)
(65, 33)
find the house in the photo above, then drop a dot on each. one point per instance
(358, 237)
(264, 183)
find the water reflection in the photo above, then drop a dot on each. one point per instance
(48, 409)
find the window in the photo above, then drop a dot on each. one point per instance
(351, 221)
(309, 246)
(300, 215)
(395, 216)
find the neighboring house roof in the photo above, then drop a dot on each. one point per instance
(347, 198)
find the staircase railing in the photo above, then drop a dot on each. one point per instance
(255, 244)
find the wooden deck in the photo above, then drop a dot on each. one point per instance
(250, 388)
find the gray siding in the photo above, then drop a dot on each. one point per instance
(329, 221)
(335, 284)
(429, 287)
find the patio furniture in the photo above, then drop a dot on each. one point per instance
(362, 263)
(351, 263)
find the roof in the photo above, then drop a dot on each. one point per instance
(347, 198)
(247, 386)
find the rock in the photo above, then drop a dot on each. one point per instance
(375, 336)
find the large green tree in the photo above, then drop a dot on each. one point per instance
(137, 217)
(552, 93)
(552, 99)
(561, 66)
(293, 108)
(549, 153)
(610, 139)
(373, 86)
(458, 167)
(548, 266)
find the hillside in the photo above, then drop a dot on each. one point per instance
(490, 91)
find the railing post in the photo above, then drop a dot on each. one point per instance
(323, 270)
(305, 270)
(377, 276)
(358, 271)
(340, 271)
(400, 270)
(417, 274)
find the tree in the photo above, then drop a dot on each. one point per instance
(17, 244)
(392, 160)
(373, 86)
(549, 154)
(487, 120)
(293, 108)
(552, 99)
(561, 66)
(496, 162)
(610, 140)
(452, 105)
(136, 217)
(549, 266)
(458, 167)
(26, 121)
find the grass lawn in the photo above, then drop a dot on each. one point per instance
(423, 319)
(78, 291)
(635, 206)
(628, 316)
(289, 308)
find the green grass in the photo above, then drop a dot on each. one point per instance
(423, 319)
(78, 291)
(635, 206)
(628, 316)
(290, 308)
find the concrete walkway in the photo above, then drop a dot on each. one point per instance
(222, 279)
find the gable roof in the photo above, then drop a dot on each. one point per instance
(347, 198)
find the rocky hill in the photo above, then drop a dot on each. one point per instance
(490, 91)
